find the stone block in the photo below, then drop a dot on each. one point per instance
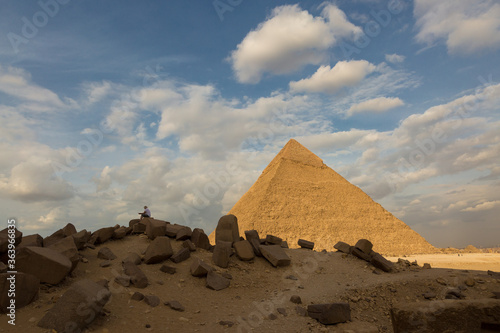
(360, 254)
(81, 238)
(189, 245)
(222, 252)
(244, 250)
(275, 255)
(343, 247)
(181, 255)
(331, 313)
(273, 240)
(154, 228)
(200, 239)
(364, 245)
(305, 244)
(183, 234)
(31, 240)
(46, 264)
(380, 262)
(137, 276)
(159, 250)
(227, 229)
(199, 268)
(216, 281)
(106, 254)
(67, 248)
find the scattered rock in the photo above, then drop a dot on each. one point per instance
(139, 228)
(188, 244)
(329, 314)
(291, 277)
(275, 255)
(137, 296)
(168, 269)
(106, 263)
(200, 239)
(226, 323)
(84, 296)
(133, 258)
(364, 245)
(68, 230)
(253, 237)
(470, 282)
(181, 255)
(445, 316)
(244, 250)
(137, 276)
(172, 230)
(106, 254)
(442, 281)
(380, 262)
(123, 280)
(429, 295)
(26, 290)
(273, 240)
(306, 244)
(120, 233)
(426, 266)
(81, 238)
(183, 234)
(360, 254)
(67, 248)
(217, 282)
(296, 299)
(159, 250)
(222, 252)
(154, 228)
(227, 229)
(174, 305)
(282, 311)
(102, 235)
(152, 300)
(199, 268)
(46, 264)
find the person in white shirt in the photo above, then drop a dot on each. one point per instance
(146, 213)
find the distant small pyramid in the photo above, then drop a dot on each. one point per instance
(298, 196)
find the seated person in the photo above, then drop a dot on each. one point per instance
(146, 213)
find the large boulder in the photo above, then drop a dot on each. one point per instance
(227, 229)
(200, 239)
(67, 248)
(46, 264)
(173, 229)
(102, 235)
(77, 307)
(159, 250)
(68, 230)
(81, 238)
(183, 234)
(244, 250)
(121, 232)
(154, 228)
(275, 255)
(222, 252)
(139, 228)
(446, 316)
(4, 239)
(26, 290)
(31, 240)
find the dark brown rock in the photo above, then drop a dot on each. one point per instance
(282, 311)
(343, 247)
(222, 252)
(364, 245)
(296, 299)
(253, 237)
(138, 228)
(80, 238)
(217, 282)
(329, 314)
(102, 235)
(3, 267)
(273, 240)
(137, 276)
(120, 233)
(495, 275)
(46, 264)
(306, 244)
(31, 240)
(25, 287)
(159, 250)
(301, 311)
(200, 239)
(84, 296)
(244, 250)
(106, 254)
(133, 258)
(105, 263)
(380, 262)
(168, 269)
(172, 230)
(154, 228)
(227, 229)
(4, 239)
(174, 305)
(67, 248)
(123, 280)
(189, 245)
(181, 255)
(152, 300)
(446, 316)
(131, 223)
(275, 255)
(360, 254)
(183, 234)
(284, 244)
(137, 296)
(199, 268)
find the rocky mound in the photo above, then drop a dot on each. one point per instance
(298, 196)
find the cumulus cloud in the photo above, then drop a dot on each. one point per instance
(482, 206)
(466, 26)
(289, 39)
(96, 91)
(394, 58)
(330, 80)
(375, 105)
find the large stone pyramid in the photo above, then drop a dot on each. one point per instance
(298, 196)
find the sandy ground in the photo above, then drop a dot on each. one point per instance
(257, 289)
(474, 261)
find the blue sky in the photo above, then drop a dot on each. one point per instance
(108, 106)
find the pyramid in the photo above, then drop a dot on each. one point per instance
(298, 196)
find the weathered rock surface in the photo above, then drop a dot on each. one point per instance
(329, 314)
(46, 264)
(67, 248)
(26, 290)
(343, 247)
(200, 239)
(68, 230)
(133, 258)
(83, 297)
(275, 255)
(137, 276)
(222, 252)
(305, 244)
(380, 262)
(183, 234)
(31, 240)
(81, 238)
(364, 245)
(216, 281)
(273, 240)
(227, 229)
(199, 268)
(244, 250)
(253, 237)
(159, 250)
(181, 255)
(102, 235)
(106, 254)
(154, 228)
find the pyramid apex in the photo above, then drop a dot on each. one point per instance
(295, 151)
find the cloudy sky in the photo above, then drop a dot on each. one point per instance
(107, 106)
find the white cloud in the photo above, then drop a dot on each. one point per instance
(487, 205)
(96, 91)
(17, 82)
(289, 39)
(394, 58)
(376, 105)
(330, 80)
(467, 26)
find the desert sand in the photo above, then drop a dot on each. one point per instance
(472, 261)
(257, 289)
